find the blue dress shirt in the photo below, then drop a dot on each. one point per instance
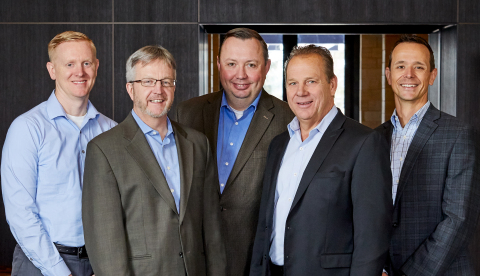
(295, 160)
(166, 154)
(231, 132)
(42, 171)
(401, 139)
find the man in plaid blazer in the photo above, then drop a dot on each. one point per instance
(435, 170)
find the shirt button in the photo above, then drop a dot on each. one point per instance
(172, 190)
(231, 144)
(222, 184)
(301, 148)
(397, 181)
(236, 123)
(226, 163)
(404, 136)
(289, 199)
(295, 174)
(154, 133)
(31, 259)
(401, 158)
(168, 168)
(83, 151)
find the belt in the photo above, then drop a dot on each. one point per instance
(81, 252)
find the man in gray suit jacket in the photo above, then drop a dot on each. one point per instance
(435, 168)
(240, 122)
(150, 205)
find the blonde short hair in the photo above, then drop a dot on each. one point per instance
(68, 36)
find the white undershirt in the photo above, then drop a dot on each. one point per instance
(78, 120)
(238, 114)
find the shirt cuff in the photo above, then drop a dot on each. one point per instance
(60, 269)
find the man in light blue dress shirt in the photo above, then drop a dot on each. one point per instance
(43, 161)
(150, 205)
(326, 205)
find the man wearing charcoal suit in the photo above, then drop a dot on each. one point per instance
(325, 206)
(240, 122)
(150, 205)
(435, 169)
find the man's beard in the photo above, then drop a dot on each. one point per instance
(144, 109)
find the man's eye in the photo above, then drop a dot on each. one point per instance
(69, 64)
(292, 83)
(231, 64)
(148, 82)
(400, 67)
(251, 65)
(311, 81)
(167, 82)
(87, 63)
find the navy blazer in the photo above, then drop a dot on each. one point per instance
(339, 222)
(438, 199)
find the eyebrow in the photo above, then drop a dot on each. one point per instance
(416, 62)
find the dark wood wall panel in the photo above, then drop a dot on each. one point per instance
(448, 71)
(468, 72)
(26, 83)
(156, 11)
(434, 90)
(180, 40)
(328, 11)
(469, 11)
(55, 11)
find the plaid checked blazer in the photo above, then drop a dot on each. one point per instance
(438, 200)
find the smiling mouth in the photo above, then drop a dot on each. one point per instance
(409, 85)
(305, 103)
(241, 85)
(79, 82)
(157, 101)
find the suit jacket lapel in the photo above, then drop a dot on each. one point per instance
(323, 148)
(277, 157)
(211, 115)
(259, 124)
(140, 150)
(424, 131)
(185, 160)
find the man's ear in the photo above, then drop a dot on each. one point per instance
(130, 90)
(51, 70)
(388, 75)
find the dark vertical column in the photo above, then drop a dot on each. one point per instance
(289, 41)
(448, 70)
(434, 90)
(352, 77)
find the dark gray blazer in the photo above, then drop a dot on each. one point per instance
(131, 223)
(240, 199)
(438, 199)
(339, 222)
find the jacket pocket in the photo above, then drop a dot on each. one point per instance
(336, 260)
(140, 257)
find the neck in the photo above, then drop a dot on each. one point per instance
(307, 125)
(73, 106)
(406, 109)
(239, 104)
(158, 124)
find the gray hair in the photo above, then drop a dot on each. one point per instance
(311, 49)
(147, 54)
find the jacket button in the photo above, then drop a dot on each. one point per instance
(395, 224)
(288, 228)
(180, 254)
(287, 257)
(221, 208)
(266, 227)
(265, 257)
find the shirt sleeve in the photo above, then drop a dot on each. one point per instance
(19, 188)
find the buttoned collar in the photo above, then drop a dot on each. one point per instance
(417, 117)
(55, 109)
(148, 130)
(294, 125)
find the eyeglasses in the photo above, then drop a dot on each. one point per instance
(152, 82)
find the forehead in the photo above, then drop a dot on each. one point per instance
(410, 51)
(235, 48)
(74, 49)
(304, 66)
(153, 68)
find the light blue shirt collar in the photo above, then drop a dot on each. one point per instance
(418, 116)
(55, 109)
(294, 125)
(146, 129)
(254, 103)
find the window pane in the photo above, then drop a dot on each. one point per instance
(274, 81)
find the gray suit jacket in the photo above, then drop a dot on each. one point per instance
(131, 223)
(240, 200)
(438, 199)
